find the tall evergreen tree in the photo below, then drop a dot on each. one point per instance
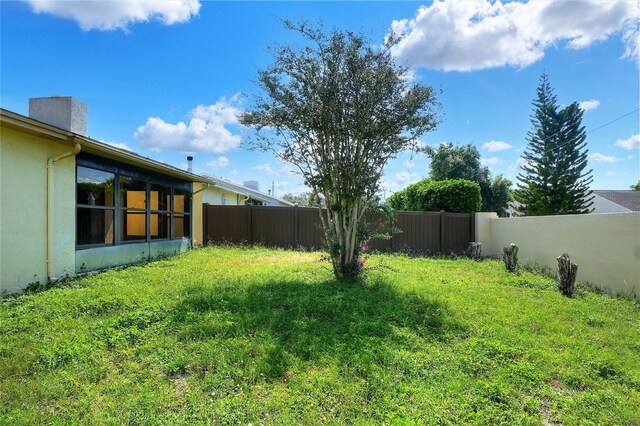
(554, 180)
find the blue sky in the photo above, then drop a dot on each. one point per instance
(165, 79)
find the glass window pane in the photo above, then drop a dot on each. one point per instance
(94, 187)
(133, 225)
(94, 226)
(133, 193)
(181, 226)
(159, 197)
(181, 201)
(159, 223)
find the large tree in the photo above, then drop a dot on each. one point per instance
(555, 179)
(339, 109)
(463, 162)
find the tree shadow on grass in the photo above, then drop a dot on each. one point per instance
(291, 323)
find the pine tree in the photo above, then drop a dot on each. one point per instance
(554, 180)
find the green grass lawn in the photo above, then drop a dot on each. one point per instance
(238, 335)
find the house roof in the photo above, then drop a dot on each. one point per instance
(626, 198)
(15, 121)
(244, 190)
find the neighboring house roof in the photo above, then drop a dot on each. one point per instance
(15, 121)
(628, 199)
(244, 190)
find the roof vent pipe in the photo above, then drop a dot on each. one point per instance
(190, 164)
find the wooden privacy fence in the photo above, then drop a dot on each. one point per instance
(431, 232)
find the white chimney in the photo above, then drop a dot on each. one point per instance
(64, 112)
(190, 164)
(253, 184)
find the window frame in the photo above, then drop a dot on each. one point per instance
(112, 208)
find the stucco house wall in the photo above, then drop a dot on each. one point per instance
(223, 197)
(23, 210)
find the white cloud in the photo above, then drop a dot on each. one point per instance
(267, 169)
(589, 105)
(487, 161)
(233, 172)
(221, 162)
(120, 14)
(633, 142)
(452, 35)
(610, 174)
(496, 146)
(120, 145)
(520, 162)
(206, 131)
(409, 164)
(596, 157)
(406, 177)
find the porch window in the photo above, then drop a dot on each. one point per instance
(160, 212)
(122, 204)
(133, 208)
(95, 210)
(181, 214)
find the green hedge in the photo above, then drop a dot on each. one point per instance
(454, 195)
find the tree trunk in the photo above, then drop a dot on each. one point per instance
(475, 250)
(567, 273)
(510, 257)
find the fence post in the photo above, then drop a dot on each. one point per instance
(205, 231)
(393, 216)
(472, 224)
(442, 218)
(296, 224)
(250, 224)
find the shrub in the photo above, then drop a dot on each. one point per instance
(453, 195)
(397, 200)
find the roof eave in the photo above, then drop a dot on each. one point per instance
(28, 125)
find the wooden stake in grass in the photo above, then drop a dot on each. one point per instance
(567, 273)
(475, 250)
(510, 257)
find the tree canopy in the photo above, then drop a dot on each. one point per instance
(463, 162)
(555, 179)
(339, 109)
(452, 195)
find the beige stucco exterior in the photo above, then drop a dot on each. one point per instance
(23, 210)
(606, 247)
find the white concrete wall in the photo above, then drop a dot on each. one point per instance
(23, 210)
(606, 247)
(483, 232)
